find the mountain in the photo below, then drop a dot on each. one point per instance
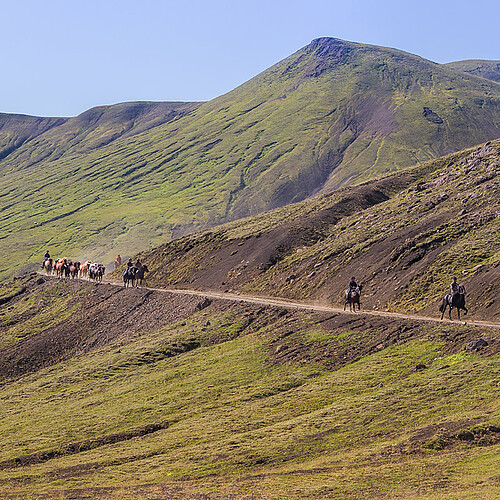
(403, 236)
(484, 69)
(335, 113)
(113, 392)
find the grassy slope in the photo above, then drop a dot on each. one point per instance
(332, 113)
(482, 68)
(438, 219)
(260, 403)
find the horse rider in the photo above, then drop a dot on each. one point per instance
(119, 260)
(455, 288)
(129, 263)
(45, 257)
(138, 264)
(351, 287)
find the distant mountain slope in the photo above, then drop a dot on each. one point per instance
(15, 130)
(403, 237)
(332, 114)
(485, 69)
(51, 138)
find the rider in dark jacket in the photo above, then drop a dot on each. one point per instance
(454, 287)
(45, 257)
(351, 287)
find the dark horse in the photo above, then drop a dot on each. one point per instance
(139, 275)
(352, 298)
(457, 300)
(129, 276)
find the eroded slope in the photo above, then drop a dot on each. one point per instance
(403, 237)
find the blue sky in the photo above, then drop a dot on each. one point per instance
(60, 58)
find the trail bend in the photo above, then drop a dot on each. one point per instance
(293, 304)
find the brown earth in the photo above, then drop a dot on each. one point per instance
(108, 314)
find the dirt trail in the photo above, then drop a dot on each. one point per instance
(292, 304)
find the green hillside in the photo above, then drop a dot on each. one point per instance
(332, 114)
(403, 236)
(132, 394)
(482, 68)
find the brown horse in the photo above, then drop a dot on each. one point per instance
(139, 275)
(60, 267)
(352, 298)
(73, 269)
(84, 269)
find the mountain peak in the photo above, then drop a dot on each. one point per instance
(329, 47)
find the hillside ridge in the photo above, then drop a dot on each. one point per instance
(331, 115)
(402, 236)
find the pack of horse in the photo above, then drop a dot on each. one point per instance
(67, 268)
(134, 275)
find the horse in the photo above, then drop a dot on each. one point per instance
(84, 269)
(100, 272)
(47, 265)
(457, 300)
(352, 298)
(139, 275)
(60, 267)
(96, 271)
(129, 275)
(73, 269)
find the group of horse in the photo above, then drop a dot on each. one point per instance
(67, 268)
(134, 274)
(451, 301)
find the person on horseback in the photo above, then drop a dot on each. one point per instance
(454, 287)
(456, 298)
(129, 263)
(45, 257)
(351, 287)
(119, 260)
